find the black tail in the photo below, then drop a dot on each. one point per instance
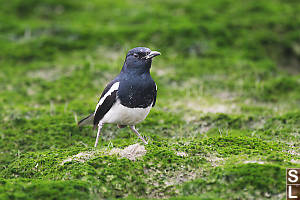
(87, 120)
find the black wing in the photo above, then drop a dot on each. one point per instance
(107, 103)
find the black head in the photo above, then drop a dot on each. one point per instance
(139, 59)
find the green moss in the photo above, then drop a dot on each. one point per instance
(228, 146)
(285, 126)
(222, 121)
(175, 198)
(274, 89)
(43, 189)
(56, 58)
(111, 176)
(240, 181)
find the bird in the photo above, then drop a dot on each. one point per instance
(129, 97)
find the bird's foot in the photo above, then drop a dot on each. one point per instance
(122, 126)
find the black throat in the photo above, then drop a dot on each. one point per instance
(137, 89)
(137, 69)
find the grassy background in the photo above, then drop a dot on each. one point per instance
(227, 119)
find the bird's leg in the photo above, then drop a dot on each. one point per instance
(100, 125)
(137, 133)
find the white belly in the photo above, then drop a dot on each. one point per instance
(122, 115)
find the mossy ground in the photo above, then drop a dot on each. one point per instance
(227, 119)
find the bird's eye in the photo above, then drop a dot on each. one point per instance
(135, 55)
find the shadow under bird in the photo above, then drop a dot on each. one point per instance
(127, 99)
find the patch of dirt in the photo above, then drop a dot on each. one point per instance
(222, 102)
(110, 54)
(80, 157)
(164, 71)
(171, 178)
(181, 154)
(295, 161)
(164, 181)
(50, 74)
(218, 108)
(225, 95)
(258, 124)
(254, 161)
(293, 152)
(132, 152)
(204, 106)
(214, 160)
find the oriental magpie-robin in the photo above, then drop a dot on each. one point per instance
(128, 98)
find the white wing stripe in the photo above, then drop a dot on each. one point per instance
(113, 88)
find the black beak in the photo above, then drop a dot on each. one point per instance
(152, 54)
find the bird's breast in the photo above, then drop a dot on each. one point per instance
(137, 94)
